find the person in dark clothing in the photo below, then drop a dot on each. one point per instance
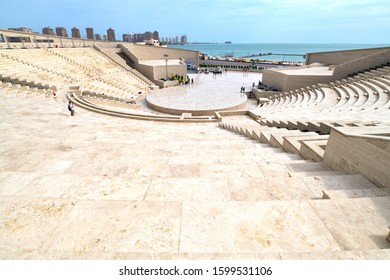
(71, 108)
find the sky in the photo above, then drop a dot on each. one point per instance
(239, 21)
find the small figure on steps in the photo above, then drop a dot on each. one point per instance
(71, 108)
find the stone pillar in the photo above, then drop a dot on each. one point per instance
(36, 43)
(6, 41)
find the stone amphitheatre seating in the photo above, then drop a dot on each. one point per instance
(363, 96)
(101, 65)
(58, 68)
(18, 71)
(289, 183)
(302, 121)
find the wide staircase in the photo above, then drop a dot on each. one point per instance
(303, 153)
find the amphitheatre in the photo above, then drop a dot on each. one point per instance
(148, 169)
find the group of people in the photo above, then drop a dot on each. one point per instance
(183, 80)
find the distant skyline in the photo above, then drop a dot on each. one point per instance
(239, 21)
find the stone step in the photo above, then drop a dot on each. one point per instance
(377, 254)
(277, 138)
(313, 149)
(315, 173)
(292, 144)
(283, 158)
(356, 193)
(324, 182)
(308, 166)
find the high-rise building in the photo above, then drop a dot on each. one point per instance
(141, 37)
(183, 39)
(90, 33)
(98, 37)
(48, 31)
(127, 37)
(138, 37)
(75, 33)
(156, 36)
(61, 31)
(105, 37)
(148, 35)
(111, 35)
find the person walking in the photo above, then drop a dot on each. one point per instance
(71, 108)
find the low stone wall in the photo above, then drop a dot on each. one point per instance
(34, 40)
(367, 153)
(259, 93)
(339, 57)
(286, 82)
(143, 52)
(165, 84)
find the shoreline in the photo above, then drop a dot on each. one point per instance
(251, 65)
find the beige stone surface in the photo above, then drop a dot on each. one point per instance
(119, 226)
(359, 223)
(98, 187)
(256, 227)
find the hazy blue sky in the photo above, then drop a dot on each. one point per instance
(239, 21)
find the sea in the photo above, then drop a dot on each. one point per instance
(270, 51)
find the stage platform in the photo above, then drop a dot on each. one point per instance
(207, 94)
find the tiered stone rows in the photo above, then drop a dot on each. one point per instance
(58, 68)
(364, 97)
(16, 67)
(108, 78)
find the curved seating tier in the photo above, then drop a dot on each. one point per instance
(363, 97)
(92, 71)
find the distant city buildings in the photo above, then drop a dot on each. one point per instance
(140, 37)
(147, 36)
(175, 40)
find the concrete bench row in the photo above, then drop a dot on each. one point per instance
(68, 66)
(357, 97)
(25, 90)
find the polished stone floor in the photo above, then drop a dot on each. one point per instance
(207, 94)
(98, 187)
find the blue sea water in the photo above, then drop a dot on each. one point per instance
(279, 51)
